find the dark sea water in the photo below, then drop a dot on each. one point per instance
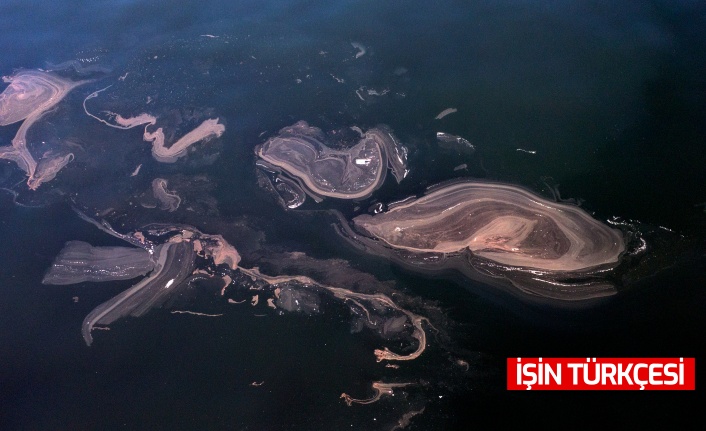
(604, 101)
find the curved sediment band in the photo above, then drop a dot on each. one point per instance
(300, 151)
(30, 95)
